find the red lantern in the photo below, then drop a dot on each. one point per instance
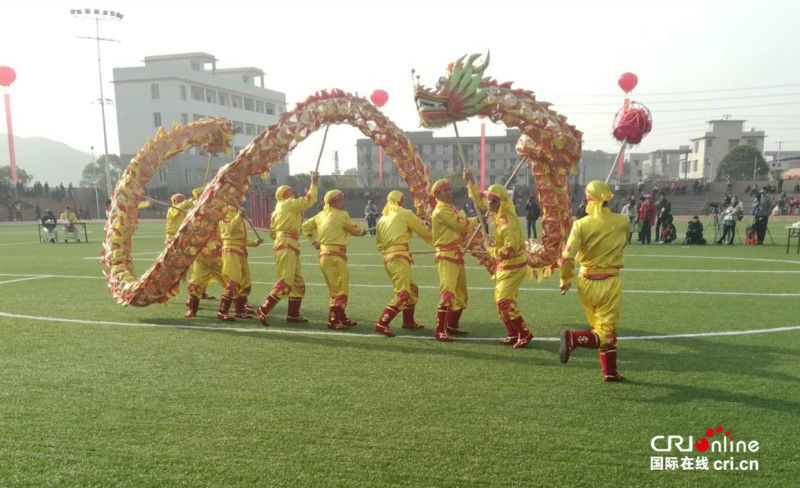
(633, 123)
(627, 81)
(7, 76)
(379, 98)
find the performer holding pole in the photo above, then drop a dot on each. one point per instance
(596, 242)
(328, 232)
(508, 249)
(285, 232)
(395, 232)
(235, 270)
(448, 225)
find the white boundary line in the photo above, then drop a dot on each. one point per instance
(271, 330)
(477, 288)
(25, 279)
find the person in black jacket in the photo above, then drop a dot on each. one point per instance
(49, 223)
(663, 213)
(694, 235)
(532, 214)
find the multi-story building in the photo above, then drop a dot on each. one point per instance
(708, 148)
(665, 164)
(180, 88)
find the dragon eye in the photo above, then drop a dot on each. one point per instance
(441, 82)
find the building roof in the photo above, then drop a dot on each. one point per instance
(167, 57)
(245, 69)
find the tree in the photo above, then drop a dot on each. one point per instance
(95, 173)
(299, 181)
(738, 164)
(22, 175)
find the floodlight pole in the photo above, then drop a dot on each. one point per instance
(94, 180)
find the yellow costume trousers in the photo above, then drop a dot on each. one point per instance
(406, 292)
(337, 277)
(601, 302)
(290, 275)
(203, 270)
(236, 273)
(506, 291)
(452, 285)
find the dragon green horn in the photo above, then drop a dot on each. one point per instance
(482, 66)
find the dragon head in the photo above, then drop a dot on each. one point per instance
(457, 95)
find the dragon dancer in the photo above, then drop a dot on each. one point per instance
(235, 270)
(285, 232)
(448, 226)
(328, 232)
(508, 249)
(597, 242)
(394, 233)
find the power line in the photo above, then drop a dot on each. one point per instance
(658, 102)
(688, 92)
(698, 109)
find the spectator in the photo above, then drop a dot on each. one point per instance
(663, 211)
(69, 191)
(46, 190)
(728, 185)
(629, 210)
(68, 218)
(694, 234)
(797, 188)
(730, 215)
(18, 211)
(668, 233)
(38, 211)
(763, 210)
(780, 185)
(49, 223)
(371, 214)
(748, 189)
(107, 208)
(532, 214)
(647, 215)
(581, 210)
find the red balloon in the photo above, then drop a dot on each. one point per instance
(379, 97)
(7, 76)
(627, 81)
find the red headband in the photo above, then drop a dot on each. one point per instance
(287, 192)
(491, 196)
(442, 187)
(338, 197)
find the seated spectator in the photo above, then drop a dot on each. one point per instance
(694, 234)
(668, 232)
(797, 188)
(49, 223)
(68, 218)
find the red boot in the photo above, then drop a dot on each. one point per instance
(344, 319)
(608, 361)
(334, 321)
(263, 311)
(224, 308)
(570, 340)
(240, 312)
(193, 303)
(512, 334)
(206, 296)
(452, 322)
(386, 318)
(248, 308)
(408, 318)
(293, 314)
(525, 335)
(441, 325)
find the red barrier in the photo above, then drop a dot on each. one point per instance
(260, 211)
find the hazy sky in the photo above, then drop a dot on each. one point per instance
(696, 60)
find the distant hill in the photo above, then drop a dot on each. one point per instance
(46, 159)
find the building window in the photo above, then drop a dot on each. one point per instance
(224, 99)
(187, 175)
(196, 66)
(260, 106)
(696, 146)
(211, 96)
(426, 149)
(273, 181)
(239, 125)
(491, 164)
(154, 91)
(260, 129)
(197, 93)
(183, 92)
(708, 143)
(694, 166)
(270, 108)
(236, 101)
(732, 143)
(197, 116)
(157, 119)
(162, 176)
(184, 119)
(249, 105)
(752, 142)
(250, 129)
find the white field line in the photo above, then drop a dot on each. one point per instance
(272, 330)
(25, 279)
(482, 288)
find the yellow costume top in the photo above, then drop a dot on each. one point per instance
(598, 240)
(69, 216)
(508, 246)
(331, 227)
(397, 227)
(288, 217)
(176, 214)
(449, 224)
(233, 233)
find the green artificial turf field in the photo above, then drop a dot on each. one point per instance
(93, 394)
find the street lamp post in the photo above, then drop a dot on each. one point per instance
(97, 15)
(94, 181)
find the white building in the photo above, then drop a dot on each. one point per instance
(665, 164)
(709, 147)
(180, 88)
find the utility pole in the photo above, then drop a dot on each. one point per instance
(755, 166)
(780, 144)
(336, 163)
